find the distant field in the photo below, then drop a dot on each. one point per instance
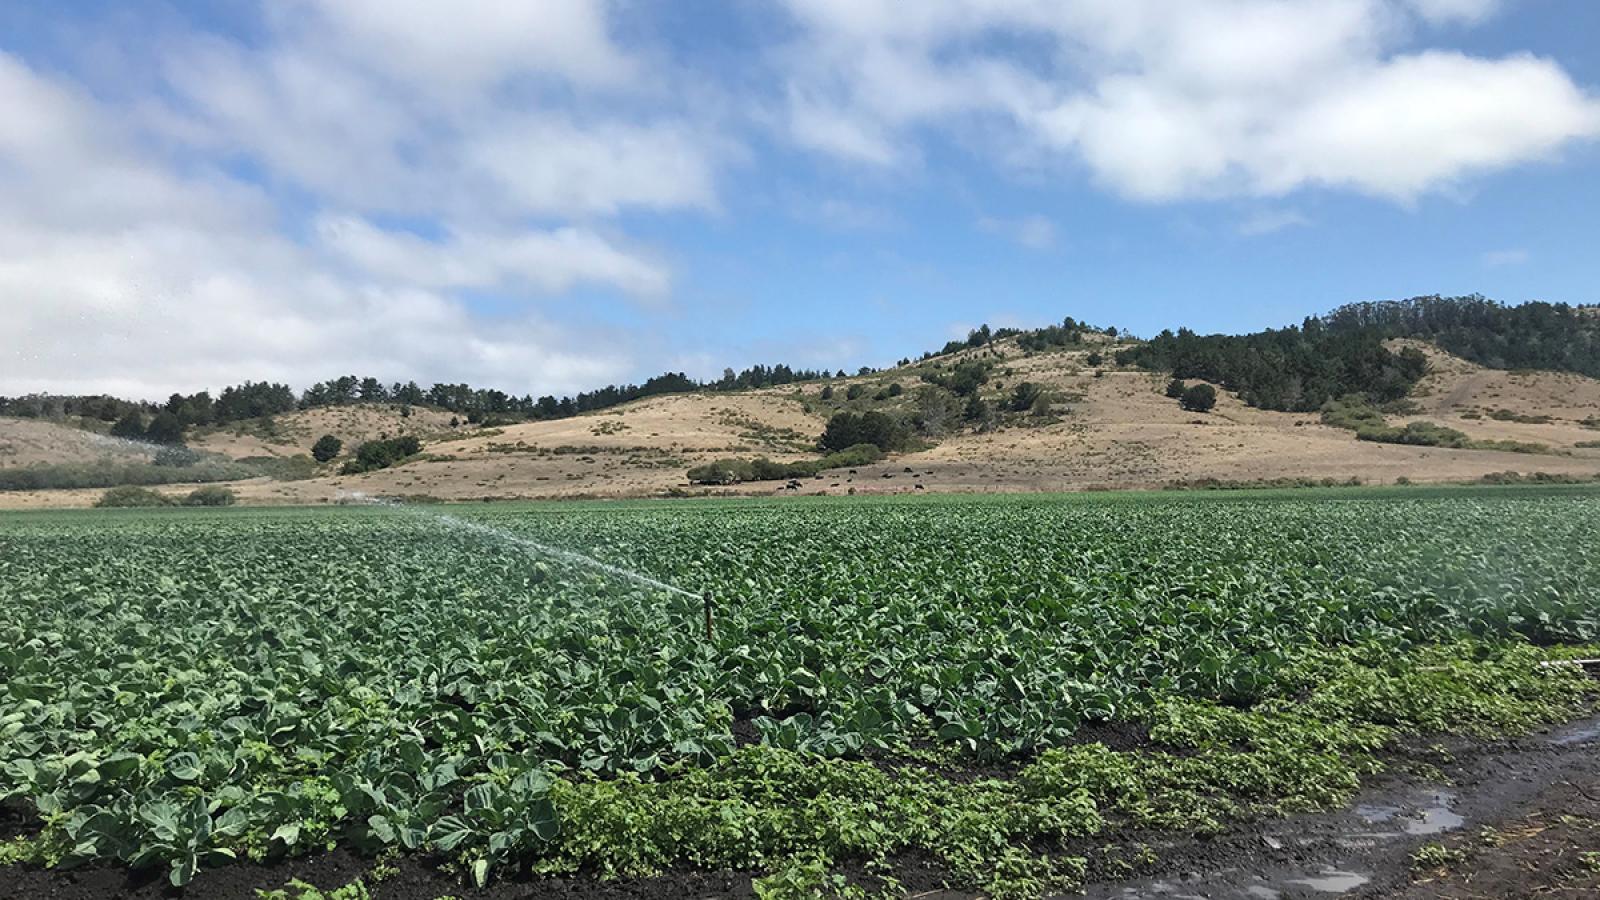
(182, 688)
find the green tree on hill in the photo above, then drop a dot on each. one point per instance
(129, 427)
(326, 448)
(165, 428)
(848, 429)
(1199, 398)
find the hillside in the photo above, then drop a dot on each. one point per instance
(294, 432)
(27, 442)
(1105, 426)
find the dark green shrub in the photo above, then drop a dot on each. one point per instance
(1199, 398)
(722, 471)
(857, 455)
(175, 457)
(968, 377)
(326, 448)
(165, 428)
(1175, 388)
(211, 495)
(1024, 396)
(1353, 412)
(381, 454)
(736, 471)
(1422, 434)
(130, 427)
(129, 496)
(847, 429)
(106, 474)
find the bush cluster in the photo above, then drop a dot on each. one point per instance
(736, 471)
(381, 454)
(110, 474)
(848, 429)
(1198, 398)
(1423, 434)
(1352, 411)
(131, 496)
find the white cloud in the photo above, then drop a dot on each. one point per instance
(464, 44)
(544, 261)
(125, 272)
(549, 165)
(1165, 101)
(1034, 232)
(1455, 10)
(1514, 256)
(1267, 221)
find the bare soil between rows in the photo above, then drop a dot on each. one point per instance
(1517, 815)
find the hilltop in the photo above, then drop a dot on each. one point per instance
(1065, 408)
(1109, 427)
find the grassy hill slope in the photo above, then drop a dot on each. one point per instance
(1100, 426)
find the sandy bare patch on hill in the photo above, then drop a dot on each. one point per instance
(1487, 403)
(637, 449)
(26, 442)
(293, 433)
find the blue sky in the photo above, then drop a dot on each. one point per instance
(549, 197)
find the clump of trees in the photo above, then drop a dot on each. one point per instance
(848, 429)
(1024, 397)
(1529, 336)
(1294, 369)
(1424, 434)
(211, 495)
(131, 496)
(1353, 412)
(964, 380)
(1192, 397)
(1326, 358)
(326, 448)
(1198, 398)
(735, 471)
(106, 473)
(382, 453)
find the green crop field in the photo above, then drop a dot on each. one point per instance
(999, 685)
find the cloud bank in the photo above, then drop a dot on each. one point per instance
(340, 190)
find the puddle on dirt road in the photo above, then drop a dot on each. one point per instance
(1332, 881)
(1327, 855)
(1427, 816)
(1290, 872)
(1200, 887)
(1582, 734)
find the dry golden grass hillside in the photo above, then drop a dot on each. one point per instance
(1108, 427)
(294, 433)
(26, 442)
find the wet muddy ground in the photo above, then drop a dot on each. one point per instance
(1504, 820)
(1510, 819)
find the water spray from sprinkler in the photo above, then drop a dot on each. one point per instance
(509, 537)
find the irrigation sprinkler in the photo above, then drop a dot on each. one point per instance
(710, 602)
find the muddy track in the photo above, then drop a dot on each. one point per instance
(1538, 796)
(1489, 795)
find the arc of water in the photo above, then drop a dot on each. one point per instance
(517, 540)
